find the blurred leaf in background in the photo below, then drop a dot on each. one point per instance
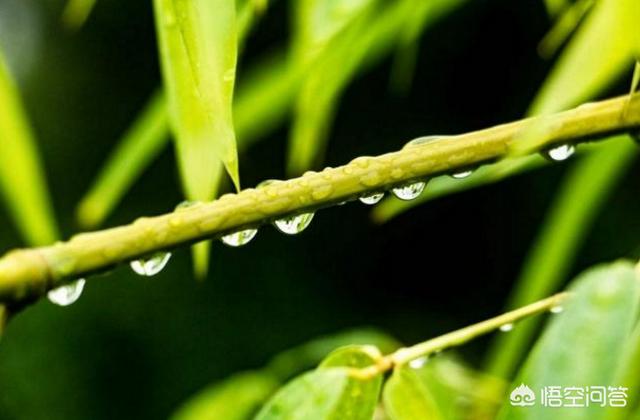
(583, 345)
(22, 179)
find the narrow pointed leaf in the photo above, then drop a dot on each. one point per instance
(140, 145)
(581, 196)
(198, 47)
(235, 398)
(22, 179)
(76, 12)
(583, 345)
(599, 52)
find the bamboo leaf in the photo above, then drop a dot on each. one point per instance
(140, 145)
(76, 12)
(599, 52)
(583, 345)
(330, 391)
(578, 201)
(198, 47)
(406, 397)
(22, 178)
(261, 104)
(333, 62)
(563, 27)
(235, 398)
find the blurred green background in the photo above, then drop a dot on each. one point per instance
(135, 347)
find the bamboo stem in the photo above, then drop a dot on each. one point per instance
(455, 338)
(28, 273)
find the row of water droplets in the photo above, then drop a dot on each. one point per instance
(290, 225)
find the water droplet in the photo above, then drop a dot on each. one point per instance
(409, 191)
(423, 140)
(292, 225)
(239, 238)
(372, 199)
(560, 153)
(186, 204)
(67, 294)
(418, 363)
(152, 265)
(556, 309)
(506, 327)
(461, 174)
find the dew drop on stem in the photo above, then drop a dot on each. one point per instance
(67, 294)
(506, 327)
(372, 199)
(560, 153)
(292, 225)
(239, 238)
(151, 265)
(462, 174)
(409, 191)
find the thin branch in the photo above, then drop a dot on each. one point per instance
(455, 338)
(28, 273)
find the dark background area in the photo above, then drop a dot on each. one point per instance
(135, 347)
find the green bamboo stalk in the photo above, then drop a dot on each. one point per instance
(28, 273)
(458, 337)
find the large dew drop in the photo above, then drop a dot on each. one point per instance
(461, 174)
(372, 199)
(409, 192)
(67, 294)
(240, 238)
(560, 153)
(294, 224)
(506, 327)
(150, 266)
(425, 139)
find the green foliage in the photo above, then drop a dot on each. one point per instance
(331, 391)
(584, 345)
(198, 48)
(580, 197)
(236, 398)
(22, 178)
(407, 397)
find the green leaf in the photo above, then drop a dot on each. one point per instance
(628, 375)
(235, 398)
(554, 7)
(583, 345)
(76, 12)
(563, 27)
(198, 47)
(22, 178)
(345, 48)
(599, 52)
(4, 317)
(578, 201)
(300, 358)
(308, 397)
(407, 397)
(330, 392)
(140, 145)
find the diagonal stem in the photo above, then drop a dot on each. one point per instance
(28, 273)
(455, 338)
